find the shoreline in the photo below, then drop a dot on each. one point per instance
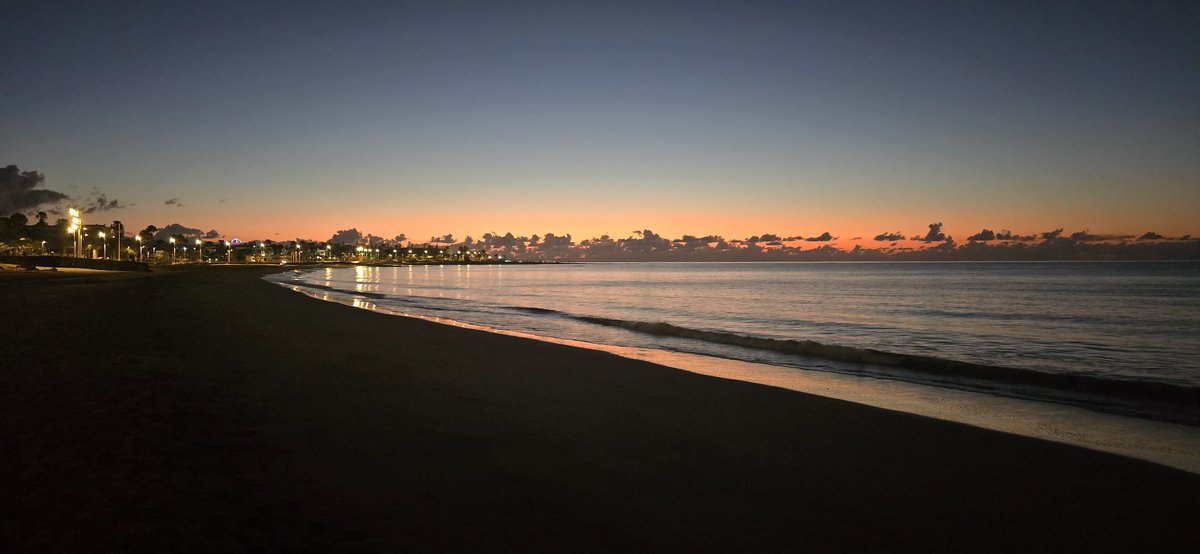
(206, 409)
(1169, 443)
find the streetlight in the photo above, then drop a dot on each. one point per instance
(228, 253)
(172, 250)
(76, 230)
(104, 242)
(140, 245)
(119, 229)
(199, 252)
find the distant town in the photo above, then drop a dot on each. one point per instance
(74, 234)
(73, 237)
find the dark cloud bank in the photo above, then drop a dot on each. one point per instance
(24, 192)
(20, 191)
(935, 245)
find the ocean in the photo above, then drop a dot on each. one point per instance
(1118, 337)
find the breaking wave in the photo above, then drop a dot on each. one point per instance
(927, 365)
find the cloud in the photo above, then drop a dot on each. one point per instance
(766, 237)
(935, 234)
(889, 237)
(212, 234)
(983, 236)
(648, 241)
(1051, 235)
(346, 236)
(824, 237)
(174, 202)
(445, 239)
(1009, 235)
(400, 238)
(690, 242)
(102, 204)
(1151, 235)
(19, 192)
(553, 241)
(1087, 235)
(493, 240)
(222, 201)
(177, 229)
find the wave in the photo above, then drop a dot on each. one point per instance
(536, 311)
(1154, 399)
(335, 289)
(1156, 392)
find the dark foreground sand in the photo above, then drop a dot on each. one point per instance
(209, 411)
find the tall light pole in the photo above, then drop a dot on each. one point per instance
(172, 250)
(76, 230)
(119, 229)
(103, 241)
(199, 252)
(228, 252)
(140, 246)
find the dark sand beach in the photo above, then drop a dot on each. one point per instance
(205, 410)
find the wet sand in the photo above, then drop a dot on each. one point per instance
(205, 410)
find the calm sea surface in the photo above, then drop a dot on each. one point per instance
(1121, 336)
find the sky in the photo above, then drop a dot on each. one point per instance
(297, 119)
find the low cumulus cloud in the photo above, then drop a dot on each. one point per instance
(766, 237)
(692, 242)
(650, 246)
(983, 236)
(648, 241)
(346, 236)
(1151, 235)
(823, 237)
(1009, 235)
(212, 234)
(935, 234)
(889, 237)
(102, 204)
(554, 241)
(19, 191)
(1051, 235)
(173, 202)
(1085, 235)
(177, 229)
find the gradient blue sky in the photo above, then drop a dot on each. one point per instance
(733, 118)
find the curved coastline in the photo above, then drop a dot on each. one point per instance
(1161, 441)
(245, 417)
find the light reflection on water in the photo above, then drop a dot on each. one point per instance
(1165, 443)
(1126, 320)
